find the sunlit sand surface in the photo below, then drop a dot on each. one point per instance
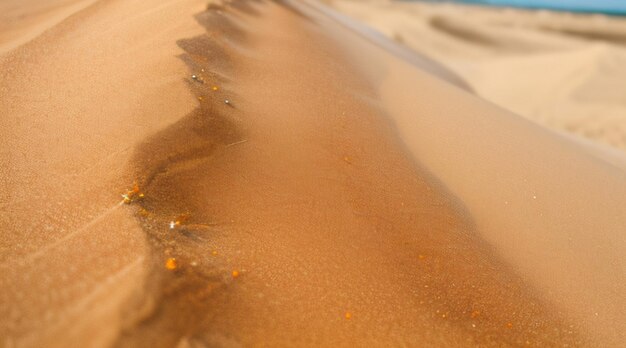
(561, 70)
(271, 173)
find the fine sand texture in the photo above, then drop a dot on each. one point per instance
(177, 174)
(23, 20)
(562, 70)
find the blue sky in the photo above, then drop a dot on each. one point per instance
(609, 6)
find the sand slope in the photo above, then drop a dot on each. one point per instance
(75, 101)
(564, 71)
(21, 21)
(346, 194)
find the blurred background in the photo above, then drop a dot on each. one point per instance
(615, 7)
(564, 69)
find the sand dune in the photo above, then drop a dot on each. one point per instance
(75, 101)
(303, 182)
(24, 20)
(564, 71)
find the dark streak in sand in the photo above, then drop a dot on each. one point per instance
(412, 268)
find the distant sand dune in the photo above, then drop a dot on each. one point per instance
(539, 64)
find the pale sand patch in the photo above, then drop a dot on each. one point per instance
(23, 20)
(563, 71)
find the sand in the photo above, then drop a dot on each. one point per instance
(71, 255)
(291, 180)
(24, 20)
(564, 71)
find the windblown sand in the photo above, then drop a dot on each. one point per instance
(288, 178)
